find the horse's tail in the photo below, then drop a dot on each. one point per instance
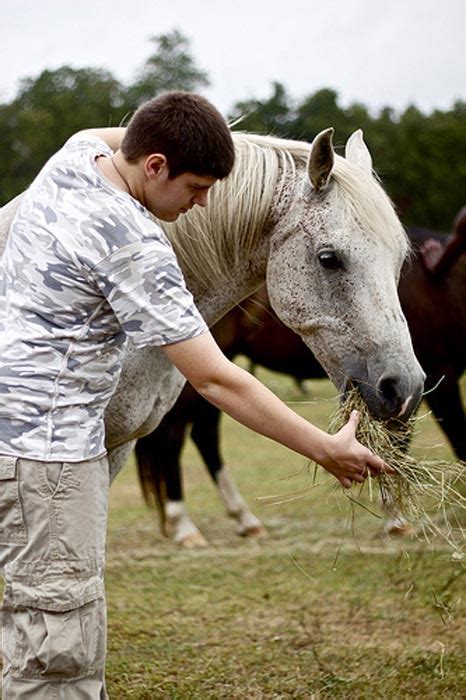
(152, 480)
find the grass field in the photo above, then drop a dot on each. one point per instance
(324, 607)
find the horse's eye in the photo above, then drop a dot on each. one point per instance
(329, 259)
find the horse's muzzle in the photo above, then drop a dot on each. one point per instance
(392, 396)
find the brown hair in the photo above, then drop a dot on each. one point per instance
(187, 129)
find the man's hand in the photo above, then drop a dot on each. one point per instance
(347, 459)
(111, 135)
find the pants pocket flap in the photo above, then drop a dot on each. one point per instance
(56, 586)
(7, 467)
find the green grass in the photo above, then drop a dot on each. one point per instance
(324, 607)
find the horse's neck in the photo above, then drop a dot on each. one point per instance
(215, 301)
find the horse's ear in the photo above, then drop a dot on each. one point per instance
(357, 152)
(321, 159)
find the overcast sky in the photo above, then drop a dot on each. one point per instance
(379, 52)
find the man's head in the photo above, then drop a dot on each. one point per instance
(187, 130)
(183, 145)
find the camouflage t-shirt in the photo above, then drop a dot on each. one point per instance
(86, 266)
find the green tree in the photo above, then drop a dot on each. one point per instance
(317, 112)
(321, 110)
(48, 110)
(438, 173)
(420, 157)
(170, 67)
(51, 107)
(273, 115)
(421, 161)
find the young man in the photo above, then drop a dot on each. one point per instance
(85, 268)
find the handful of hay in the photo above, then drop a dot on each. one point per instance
(423, 491)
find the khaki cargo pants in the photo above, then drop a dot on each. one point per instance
(52, 542)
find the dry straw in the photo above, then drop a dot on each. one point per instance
(425, 492)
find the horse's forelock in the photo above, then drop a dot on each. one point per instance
(369, 206)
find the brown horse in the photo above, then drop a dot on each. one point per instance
(432, 291)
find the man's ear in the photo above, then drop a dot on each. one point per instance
(155, 164)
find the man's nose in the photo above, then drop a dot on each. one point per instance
(202, 199)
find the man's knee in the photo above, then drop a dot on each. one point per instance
(54, 620)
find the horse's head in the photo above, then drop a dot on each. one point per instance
(332, 276)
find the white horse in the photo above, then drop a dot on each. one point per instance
(322, 232)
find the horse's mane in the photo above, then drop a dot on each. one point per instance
(210, 242)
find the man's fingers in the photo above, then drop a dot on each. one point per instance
(377, 465)
(354, 420)
(380, 468)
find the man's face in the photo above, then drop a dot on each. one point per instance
(168, 198)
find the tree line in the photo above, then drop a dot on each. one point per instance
(421, 158)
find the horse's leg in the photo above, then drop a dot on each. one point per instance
(206, 436)
(159, 467)
(395, 524)
(173, 515)
(447, 407)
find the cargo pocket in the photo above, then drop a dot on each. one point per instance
(12, 525)
(54, 619)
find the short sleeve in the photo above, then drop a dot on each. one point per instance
(146, 290)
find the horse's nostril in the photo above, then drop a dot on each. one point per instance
(388, 388)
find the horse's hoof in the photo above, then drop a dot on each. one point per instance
(254, 531)
(192, 541)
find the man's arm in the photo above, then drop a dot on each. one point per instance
(247, 400)
(112, 135)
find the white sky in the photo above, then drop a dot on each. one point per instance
(379, 52)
